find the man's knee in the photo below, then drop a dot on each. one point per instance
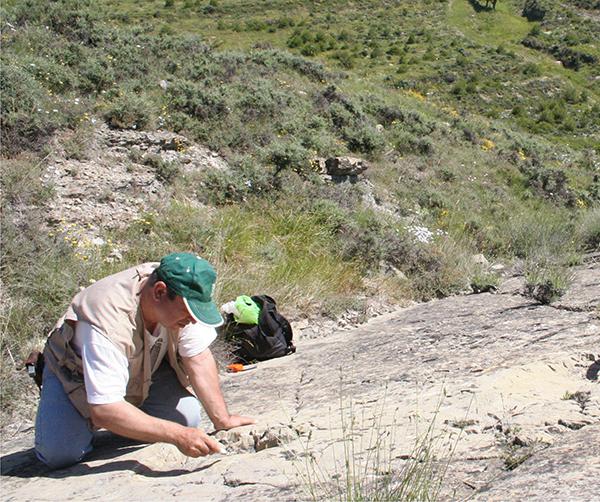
(57, 456)
(170, 401)
(190, 411)
(62, 435)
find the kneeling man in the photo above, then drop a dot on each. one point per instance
(127, 355)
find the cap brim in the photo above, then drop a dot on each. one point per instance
(204, 312)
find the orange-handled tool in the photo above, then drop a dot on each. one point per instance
(237, 367)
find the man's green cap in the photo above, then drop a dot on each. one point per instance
(192, 278)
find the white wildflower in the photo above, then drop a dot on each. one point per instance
(422, 234)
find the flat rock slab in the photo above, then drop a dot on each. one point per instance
(499, 380)
(569, 470)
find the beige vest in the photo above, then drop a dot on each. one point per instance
(113, 306)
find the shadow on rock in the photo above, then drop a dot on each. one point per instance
(24, 464)
(125, 465)
(593, 370)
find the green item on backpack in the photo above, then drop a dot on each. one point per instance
(247, 310)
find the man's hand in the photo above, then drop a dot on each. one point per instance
(196, 443)
(233, 421)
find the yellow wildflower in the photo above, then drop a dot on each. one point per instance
(415, 94)
(487, 144)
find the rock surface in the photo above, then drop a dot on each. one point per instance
(569, 470)
(340, 169)
(503, 382)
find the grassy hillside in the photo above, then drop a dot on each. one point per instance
(481, 127)
(423, 46)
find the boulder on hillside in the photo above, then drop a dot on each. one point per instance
(345, 166)
(534, 10)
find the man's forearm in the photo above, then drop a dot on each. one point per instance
(126, 420)
(204, 377)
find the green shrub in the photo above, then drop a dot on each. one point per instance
(483, 281)
(532, 148)
(77, 143)
(77, 21)
(340, 116)
(376, 52)
(546, 282)
(588, 230)
(460, 89)
(540, 232)
(418, 124)
(531, 70)
(313, 133)
(298, 38)
(245, 179)
(406, 143)
(197, 100)
(367, 240)
(29, 116)
(255, 25)
(518, 111)
(96, 76)
(129, 111)
(437, 269)
(259, 99)
(209, 9)
(288, 155)
(53, 76)
(549, 183)
(384, 114)
(535, 31)
(344, 58)
(165, 170)
(282, 60)
(570, 95)
(329, 215)
(363, 138)
(332, 96)
(534, 10)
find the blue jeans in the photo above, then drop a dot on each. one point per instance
(63, 437)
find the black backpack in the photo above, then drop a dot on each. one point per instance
(270, 338)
